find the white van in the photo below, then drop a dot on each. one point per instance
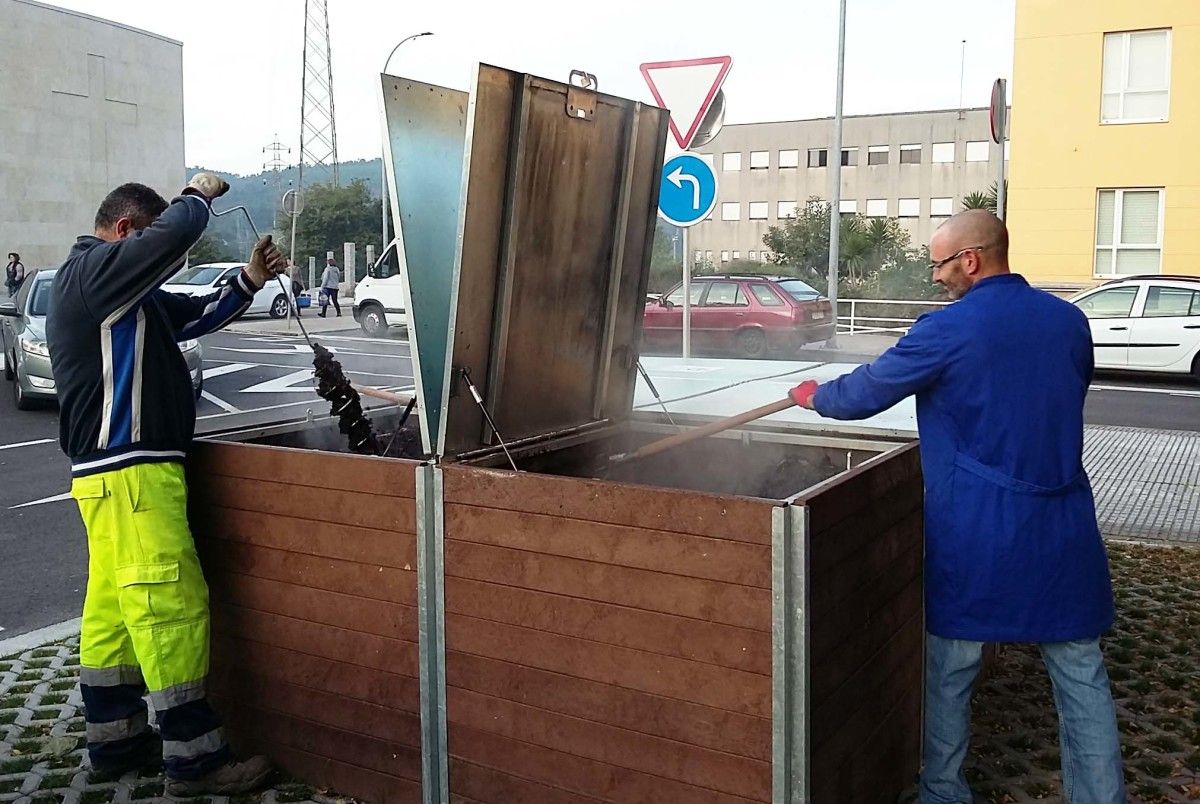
(379, 298)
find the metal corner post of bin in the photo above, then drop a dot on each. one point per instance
(789, 655)
(431, 629)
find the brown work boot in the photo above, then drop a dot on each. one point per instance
(238, 776)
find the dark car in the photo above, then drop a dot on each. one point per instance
(744, 314)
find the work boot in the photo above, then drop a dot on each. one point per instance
(148, 757)
(238, 776)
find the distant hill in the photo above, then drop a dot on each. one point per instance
(261, 192)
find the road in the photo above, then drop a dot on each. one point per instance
(257, 379)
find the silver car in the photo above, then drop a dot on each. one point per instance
(26, 355)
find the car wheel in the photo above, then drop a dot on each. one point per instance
(1196, 368)
(199, 389)
(373, 320)
(752, 343)
(20, 399)
(279, 307)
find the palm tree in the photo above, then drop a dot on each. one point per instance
(978, 200)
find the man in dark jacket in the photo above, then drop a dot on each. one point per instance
(127, 419)
(1012, 549)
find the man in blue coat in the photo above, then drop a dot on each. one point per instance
(1012, 549)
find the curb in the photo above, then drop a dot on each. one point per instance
(42, 636)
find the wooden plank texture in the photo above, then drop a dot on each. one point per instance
(305, 467)
(353, 508)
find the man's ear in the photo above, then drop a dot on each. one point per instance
(122, 228)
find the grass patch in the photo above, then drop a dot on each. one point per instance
(147, 791)
(96, 797)
(16, 766)
(27, 747)
(53, 699)
(294, 793)
(53, 781)
(8, 716)
(10, 785)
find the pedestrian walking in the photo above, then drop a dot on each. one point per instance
(328, 295)
(297, 287)
(14, 273)
(127, 420)
(1012, 549)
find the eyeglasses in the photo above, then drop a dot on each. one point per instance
(933, 266)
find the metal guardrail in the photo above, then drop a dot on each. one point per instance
(856, 322)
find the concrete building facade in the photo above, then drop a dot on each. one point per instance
(914, 166)
(1104, 178)
(85, 105)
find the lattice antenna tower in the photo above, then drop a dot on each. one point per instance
(274, 152)
(318, 134)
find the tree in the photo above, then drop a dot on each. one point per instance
(981, 200)
(333, 216)
(212, 248)
(665, 267)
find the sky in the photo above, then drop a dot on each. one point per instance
(242, 58)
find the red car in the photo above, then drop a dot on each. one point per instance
(745, 314)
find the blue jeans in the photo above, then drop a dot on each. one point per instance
(1087, 720)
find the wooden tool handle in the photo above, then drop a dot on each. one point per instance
(655, 447)
(378, 394)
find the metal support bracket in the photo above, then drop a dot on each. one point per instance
(431, 614)
(789, 648)
(581, 95)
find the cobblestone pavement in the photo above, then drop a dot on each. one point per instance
(1146, 482)
(42, 756)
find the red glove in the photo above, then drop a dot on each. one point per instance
(802, 394)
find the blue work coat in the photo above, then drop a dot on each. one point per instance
(1012, 549)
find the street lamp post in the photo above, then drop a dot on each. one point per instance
(383, 186)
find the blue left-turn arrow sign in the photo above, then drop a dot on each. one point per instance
(687, 191)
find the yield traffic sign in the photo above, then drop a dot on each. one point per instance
(687, 88)
(687, 190)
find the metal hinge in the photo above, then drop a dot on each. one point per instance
(581, 95)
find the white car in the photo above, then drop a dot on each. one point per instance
(1145, 323)
(201, 280)
(379, 298)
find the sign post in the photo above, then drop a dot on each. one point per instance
(688, 88)
(687, 194)
(998, 118)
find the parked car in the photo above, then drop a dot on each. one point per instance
(1145, 323)
(746, 314)
(27, 357)
(379, 298)
(201, 280)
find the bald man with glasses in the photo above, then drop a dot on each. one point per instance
(1012, 549)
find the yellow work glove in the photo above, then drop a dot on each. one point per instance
(266, 262)
(207, 185)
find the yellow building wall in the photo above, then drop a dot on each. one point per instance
(1061, 154)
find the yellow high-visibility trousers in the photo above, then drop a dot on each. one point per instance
(145, 622)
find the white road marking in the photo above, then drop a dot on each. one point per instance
(367, 405)
(285, 366)
(226, 369)
(28, 443)
(221, 403)
(1137, 390)
(297, 348)
(43, 501)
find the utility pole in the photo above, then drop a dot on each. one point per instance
(274, 165)
(318, 131)
(834, 160)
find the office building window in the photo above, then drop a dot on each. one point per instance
(787, 209)
(1137, 77)
(760, 160)
(731, 161)
(849, 157)
(708, 159)
(910, 154)
(1128, 232)
(754, 255)
(731, 211)
(943, 152)
(941, 207)
(789, 159)
(758, 210)
(737, 255)
(909, 208)
(697, 256)
(724, 256)
(817, 157)
(848, 206)
(708, 256)
(977, 151)
(877, 155)
(876, 207)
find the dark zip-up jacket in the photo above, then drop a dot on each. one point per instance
(124, 391)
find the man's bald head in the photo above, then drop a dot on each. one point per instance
(972, 245)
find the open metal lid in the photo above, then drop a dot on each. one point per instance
(542, 310)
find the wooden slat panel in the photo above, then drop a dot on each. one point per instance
(354, 647)
(387, 476)
(335, 677)
(723, 688)
(681, 637)
(346, 778)
(325, 539)
(714, 516)
(675, 553)
(586, 780)
(743, 606)
(494, 787)
(269, 729)
(321, 709)
(854, 535)
(387, 584)
(316, 605)
(618, 747)
(842, 496)
(896, 656)
(862, 570)
(686, 722)
(337, 507)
